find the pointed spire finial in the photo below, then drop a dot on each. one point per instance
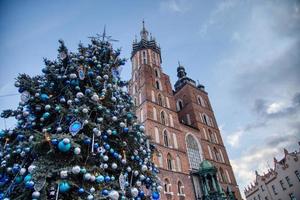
(144, 32)
(179, 63)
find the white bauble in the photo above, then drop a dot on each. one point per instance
(36, 194)
(134, 192)
(66, 140)
(90, 197)
(93, 178)
(144, 168)
(87, 176)
(31, 168)
(79, 95)
(114, 195)
(92, 190)
(136, 173)
(85, 110)
(76, 170)
(105, 158)
(138, 183)
(22, 171)
(114, 166)
(95, 97)
(77, 150)
(64, 174)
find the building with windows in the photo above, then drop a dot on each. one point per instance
(280, 183)
(181, 124)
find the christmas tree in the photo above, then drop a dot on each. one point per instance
(76, 135)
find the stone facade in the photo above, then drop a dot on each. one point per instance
(280, 183)
(180, 122)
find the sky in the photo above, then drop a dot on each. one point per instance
(246, 53)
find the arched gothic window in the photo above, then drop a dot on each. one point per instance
(178, 162)
(163, 117)
(180, 187)
(160, 159)
(211, 136)
(205, 119)
(167, 186)
(159, 100)
(201, 101)
(169, 162)
(179, 105)
(157, 85)
(193, 152)
(157, 73)
(223, 177)
(217, 154)
(166, 138)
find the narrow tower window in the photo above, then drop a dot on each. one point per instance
(166, 138)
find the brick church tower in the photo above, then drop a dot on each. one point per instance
(180, 122)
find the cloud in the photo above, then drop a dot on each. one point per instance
(234, 138)
(176, 6)
(216, 15)
(264, 66)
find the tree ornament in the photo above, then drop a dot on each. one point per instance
(36, 194)
(114, 195)
(25, 96)
(77, 151)
(155, 195)
(64, 174)
(31, 168)
(87, 176)
(75, 127)
(64, 145)
(114, 166)
(64, 187)
(44, 97)
(76, 169)
(99, 179)
(134, 192)
(90, 197)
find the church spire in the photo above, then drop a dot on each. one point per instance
(144, 33)
(180, 71)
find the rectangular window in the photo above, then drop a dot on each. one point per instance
(297, 174)
(266, 198)
(274, 189)
(262, 188)
(288, 181)
(282, 184)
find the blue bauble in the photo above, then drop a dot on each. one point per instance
(104, 137)
(125, 130)
(46, 115)
(116, 155)
(99, 179)
(54, 141)
(114, 132)
(27, 178)
(29, 184)
(87, 141)
(80, 190)
(155, 195)
(16, 169)
(64, 187)
(64, 147)
(107, 178)
(18, 180)
(105, 192)
(106, 146)
(44, 97)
